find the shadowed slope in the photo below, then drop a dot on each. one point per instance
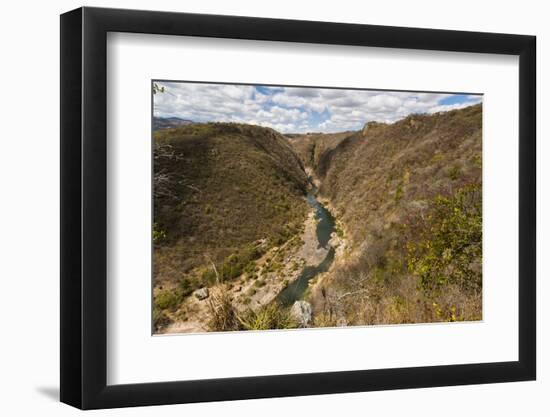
(219, 188)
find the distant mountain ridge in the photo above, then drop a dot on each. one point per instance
(169, 122)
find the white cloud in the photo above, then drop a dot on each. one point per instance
(298, 109)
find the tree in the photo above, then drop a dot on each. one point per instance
(158, 88)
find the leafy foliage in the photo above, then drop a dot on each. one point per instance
(158, 234)
(167, 299)
(449, 250)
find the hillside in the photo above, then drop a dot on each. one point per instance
(310, 147)
(408, 199)
(388, 231)
(168, 122)
(225, 194)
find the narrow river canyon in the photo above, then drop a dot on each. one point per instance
(325, 227)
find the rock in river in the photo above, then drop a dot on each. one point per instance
(301, 313)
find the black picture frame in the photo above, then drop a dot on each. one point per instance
(84, 207)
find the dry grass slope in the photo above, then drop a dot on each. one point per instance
(409, 197)
(224, 194)
(311, 147)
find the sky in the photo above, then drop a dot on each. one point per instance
(298, 109)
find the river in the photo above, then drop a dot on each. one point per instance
(325, 226)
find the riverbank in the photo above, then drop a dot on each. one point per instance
(292, 272)
(277, 269)
(317, 292)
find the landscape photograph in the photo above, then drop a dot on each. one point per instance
(284, 207)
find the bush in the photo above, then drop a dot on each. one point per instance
(449, 251)
(209, 276)
(187, 286)
(223, 316)
(259, 283)
(454, 172)
(272, 316)
(233, 266)
(399, 192)
(167, 299)
(158, 233)
(160, 319)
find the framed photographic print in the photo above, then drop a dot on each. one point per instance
(255, 208)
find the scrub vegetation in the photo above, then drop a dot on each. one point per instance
(230, 219)
(225, 194)
(409, 196)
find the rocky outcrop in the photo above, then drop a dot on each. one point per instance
(370, 126)
(301, 313)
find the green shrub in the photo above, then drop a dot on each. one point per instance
(209, 276)
(399, 192)
(158, 233)
(451, 247)
(160, 319)
(259, 283)
(272, 316)
(242, 261)
(187, 286)
(339, 231)
(167, 299)
(454, 172)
